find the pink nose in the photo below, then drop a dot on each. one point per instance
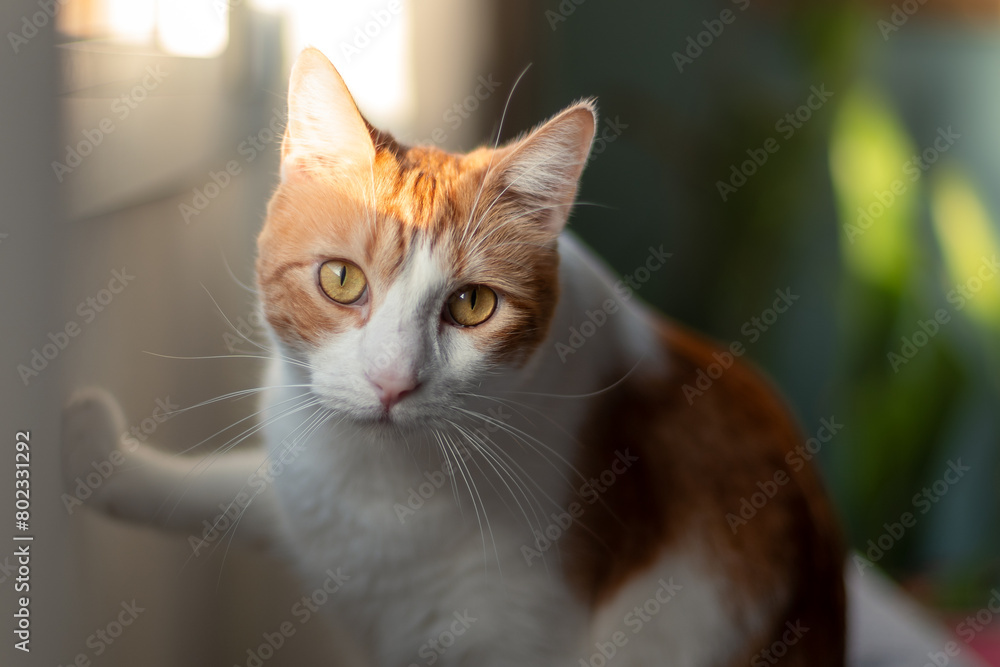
(392, 389)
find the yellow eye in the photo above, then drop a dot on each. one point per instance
(342, 281)
(472, 305)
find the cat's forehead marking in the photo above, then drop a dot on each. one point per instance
(420, 185)
(423, 195)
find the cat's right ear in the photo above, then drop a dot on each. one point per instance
(325, 129)
(544, 167)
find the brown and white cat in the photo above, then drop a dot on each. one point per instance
(486, 496)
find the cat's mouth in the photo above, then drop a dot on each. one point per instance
(387, 421)
(400, 422)
(398, 419)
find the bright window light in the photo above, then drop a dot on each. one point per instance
(195, 28)
(131, 21)
(369, 43)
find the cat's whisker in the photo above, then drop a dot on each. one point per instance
(242, 393)
(496, 143)
(287, 443)
(571, 437)
(199, 467)
(182, 452)
(294, 362)
(505, 401)
(487, 441)
(482, 447)
(246, 507)
(305, 395)
(206, 462)
(587, 395)
(310, 429)
(229, 270)
(485, 475)
(263, 348)
(474, 495)
(237, 440)
(459, 460)
(230, 323)
(525, 437)
(454, 482)
(548, 497)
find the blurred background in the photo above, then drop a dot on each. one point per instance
(847, 153)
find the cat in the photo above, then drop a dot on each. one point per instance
(487, 486)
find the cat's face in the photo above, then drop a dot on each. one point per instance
(403, 276)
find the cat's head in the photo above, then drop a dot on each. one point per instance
(404, 276)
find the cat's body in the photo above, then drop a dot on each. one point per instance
(500, 493)
(414, 564)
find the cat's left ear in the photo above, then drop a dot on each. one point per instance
(325, 129)
(544, 167)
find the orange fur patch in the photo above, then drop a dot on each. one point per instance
(696, 462)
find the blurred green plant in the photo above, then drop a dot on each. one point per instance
(904, 372)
